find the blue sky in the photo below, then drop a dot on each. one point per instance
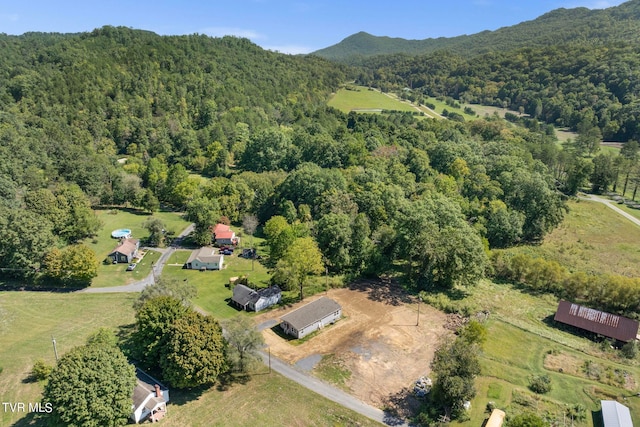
(290, 26)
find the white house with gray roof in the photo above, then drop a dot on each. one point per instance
(205, 259)
(311, 317)
(150, 398)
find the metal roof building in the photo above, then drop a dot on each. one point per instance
(609, 325)
(615, 414)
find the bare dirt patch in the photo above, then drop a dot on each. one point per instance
(377, 339)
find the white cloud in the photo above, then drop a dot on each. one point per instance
(290, 49)
(232, 31)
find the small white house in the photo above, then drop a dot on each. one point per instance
(150, 398)
(205, 259)
(311, 317)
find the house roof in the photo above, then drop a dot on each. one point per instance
(220, 228)
(205, 254)
(222, 231)
(609, 325)
(225, 235)
(127, 246)
(145, 385)
(311, 313)
(243, 295)
(615, 415)
(270, 291)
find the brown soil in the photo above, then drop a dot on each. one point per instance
(377, 339)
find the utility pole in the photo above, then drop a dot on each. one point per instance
(55, 350)
(269, 359)
(326, 279)
(419, 301)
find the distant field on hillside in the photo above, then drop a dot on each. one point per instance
(362, 98)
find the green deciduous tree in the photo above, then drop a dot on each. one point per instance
(244, 343)
(280, 235)
(178, 289)
(203, 212)
(194, 351)
(91, 385)
(74, 265)
(300, 259)
(455, 365)
(440, 247)
(156, 229)
(153, 323)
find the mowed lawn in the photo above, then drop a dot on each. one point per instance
(103, 243)
(362, 98)
(594, 239)
(29, 320)
(213, 291)
(268, 399)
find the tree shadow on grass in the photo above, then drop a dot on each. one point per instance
(400, 406)
(32, 419)
(384, 289)
(228, 379)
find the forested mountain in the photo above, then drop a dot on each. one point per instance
(620, 23)
(580, 85)
(370, 191)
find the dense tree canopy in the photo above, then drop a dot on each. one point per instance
(91, 385)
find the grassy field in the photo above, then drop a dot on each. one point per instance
(103, 243)
(523, 342)
(592, 238)
(266, 400)
(364, 99)
(29, 320)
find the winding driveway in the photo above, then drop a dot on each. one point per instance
(612, 205)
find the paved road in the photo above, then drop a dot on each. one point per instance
(611, 204)
(330, 392)
(155, 272)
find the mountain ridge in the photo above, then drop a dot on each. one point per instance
(617, 23)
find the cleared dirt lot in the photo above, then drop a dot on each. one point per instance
(377, 339)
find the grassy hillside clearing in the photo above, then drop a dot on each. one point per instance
(363, 99)
(594, 239)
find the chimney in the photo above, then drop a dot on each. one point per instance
(158, 391)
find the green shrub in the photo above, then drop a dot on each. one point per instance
(41, 370)
(540, 384)
(630, 350)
